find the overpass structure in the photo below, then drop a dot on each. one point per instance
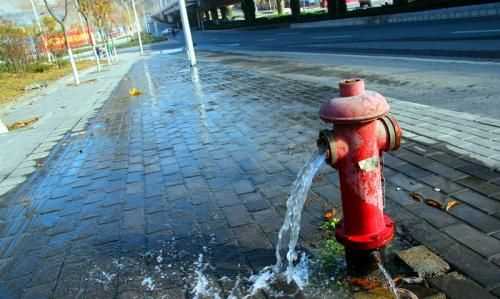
(167, 11)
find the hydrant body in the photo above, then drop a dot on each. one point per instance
(362, 132)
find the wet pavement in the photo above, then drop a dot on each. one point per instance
(202, 163)
(182, 167)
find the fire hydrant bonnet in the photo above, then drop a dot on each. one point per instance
(354, 105)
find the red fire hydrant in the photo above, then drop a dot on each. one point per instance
(362, 132)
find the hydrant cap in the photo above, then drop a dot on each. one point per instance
(354, 105)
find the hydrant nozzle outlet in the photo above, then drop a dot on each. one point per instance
(326, 144)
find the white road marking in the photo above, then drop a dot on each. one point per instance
(401, 58)
(475, 31)
(404, 58)
(171, 51)
(332, 36)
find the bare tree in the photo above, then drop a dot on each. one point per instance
(83, 7)
(60, 21)
(100, 11)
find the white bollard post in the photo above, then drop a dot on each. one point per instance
(187, 32)
(3, 128)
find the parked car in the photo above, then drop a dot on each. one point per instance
(375, 3)
(166, 31)
(352, 4)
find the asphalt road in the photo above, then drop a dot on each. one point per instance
(448, 64)
(472, 38)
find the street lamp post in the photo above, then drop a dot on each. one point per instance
(137, 27)
(187, 32)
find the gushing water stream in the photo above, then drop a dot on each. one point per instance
(390, 281)
(295, 205)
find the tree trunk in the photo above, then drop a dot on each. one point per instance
(280, 6)
(106, 50)
(248, 7)
(336, 8)
(295, 7)
(223, 13)
(93, 44)
(215, 14)
(70, 54)
(115, 54)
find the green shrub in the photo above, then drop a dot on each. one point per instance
(61, 63)
(38, 67)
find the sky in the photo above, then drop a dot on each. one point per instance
(7, 7)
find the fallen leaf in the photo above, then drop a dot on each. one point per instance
(364, 283)
(22, 123)
(330, 214)
(450, 204)
(417, 196)
(134, 92)
(433, 203)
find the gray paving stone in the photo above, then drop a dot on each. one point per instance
(474, 239)
(483, 203)
(328, 192)
(423, 261)
(436, 217)
(444, 171)
(237, 215)
(456, 286)
(243, 186)
(250, 238)
(472, 265)
(479, 220)
(255, 205)
(226, 198)
(480, 171)
(414, 171)
(51, 206)
(444, 184)
(405, 182)
(422, 231)
(268, 220)
(38, 292)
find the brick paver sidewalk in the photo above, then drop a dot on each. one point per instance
(60, 108)
(124, 208)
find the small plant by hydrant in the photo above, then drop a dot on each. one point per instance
(330, 249)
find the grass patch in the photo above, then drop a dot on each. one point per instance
(330, 250)
(146, 39)
(12, 85)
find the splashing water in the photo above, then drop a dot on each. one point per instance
(390, 281)
(291, 224)
(202, 288)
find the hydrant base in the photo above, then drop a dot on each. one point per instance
(366, 242)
